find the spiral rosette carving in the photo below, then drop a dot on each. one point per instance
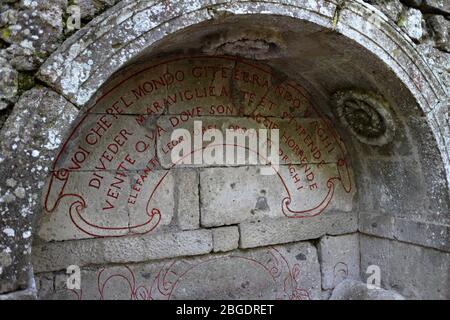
(366, 115)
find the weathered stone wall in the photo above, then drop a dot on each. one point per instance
(401, 204)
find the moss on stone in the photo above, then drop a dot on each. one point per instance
(5, 33)
(401, 22)
(26, 81)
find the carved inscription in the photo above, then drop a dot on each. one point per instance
(114, 175)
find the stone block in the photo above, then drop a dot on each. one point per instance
(90, 8)
(187, 192)
(212, 86)
(339, 259)
(437, 201)
(280, 272)
(398, 187)
(231, 87)
(284, 230)
(226, 196)
(326, 294)
(33, 32)
(30, 137)
(413, 271)
(91, 203)
(440, 5)
(165, 245)
(301, 140)
(64, 223)
(391, 8)
(411, 22)
(59, 255)
(57, 282)
(441, 32)
(234, 195)
(225, 238)
(9, 80)
(45, 285)
(377, 223)
(141, 96)
(27, 294)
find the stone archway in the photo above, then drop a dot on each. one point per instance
(365, 53)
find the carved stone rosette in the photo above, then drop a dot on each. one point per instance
(366, 115)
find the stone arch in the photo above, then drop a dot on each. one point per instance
(129, 32)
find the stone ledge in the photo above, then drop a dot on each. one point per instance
(59, 255)
(436, 236)
(284, 230)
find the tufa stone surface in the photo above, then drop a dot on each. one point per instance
(391, 8)
(411, 22)
(188, 205)
(438, 60)
(225, 238)
(59, 255)
(442, 6)
(412, 3)
(27, 294)
(289, 272)
(31, 30)
(413, 271)
(91, 8)
(30, 138)
(9, 81)
(339, 259)
(397, 187)
(440, 28)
